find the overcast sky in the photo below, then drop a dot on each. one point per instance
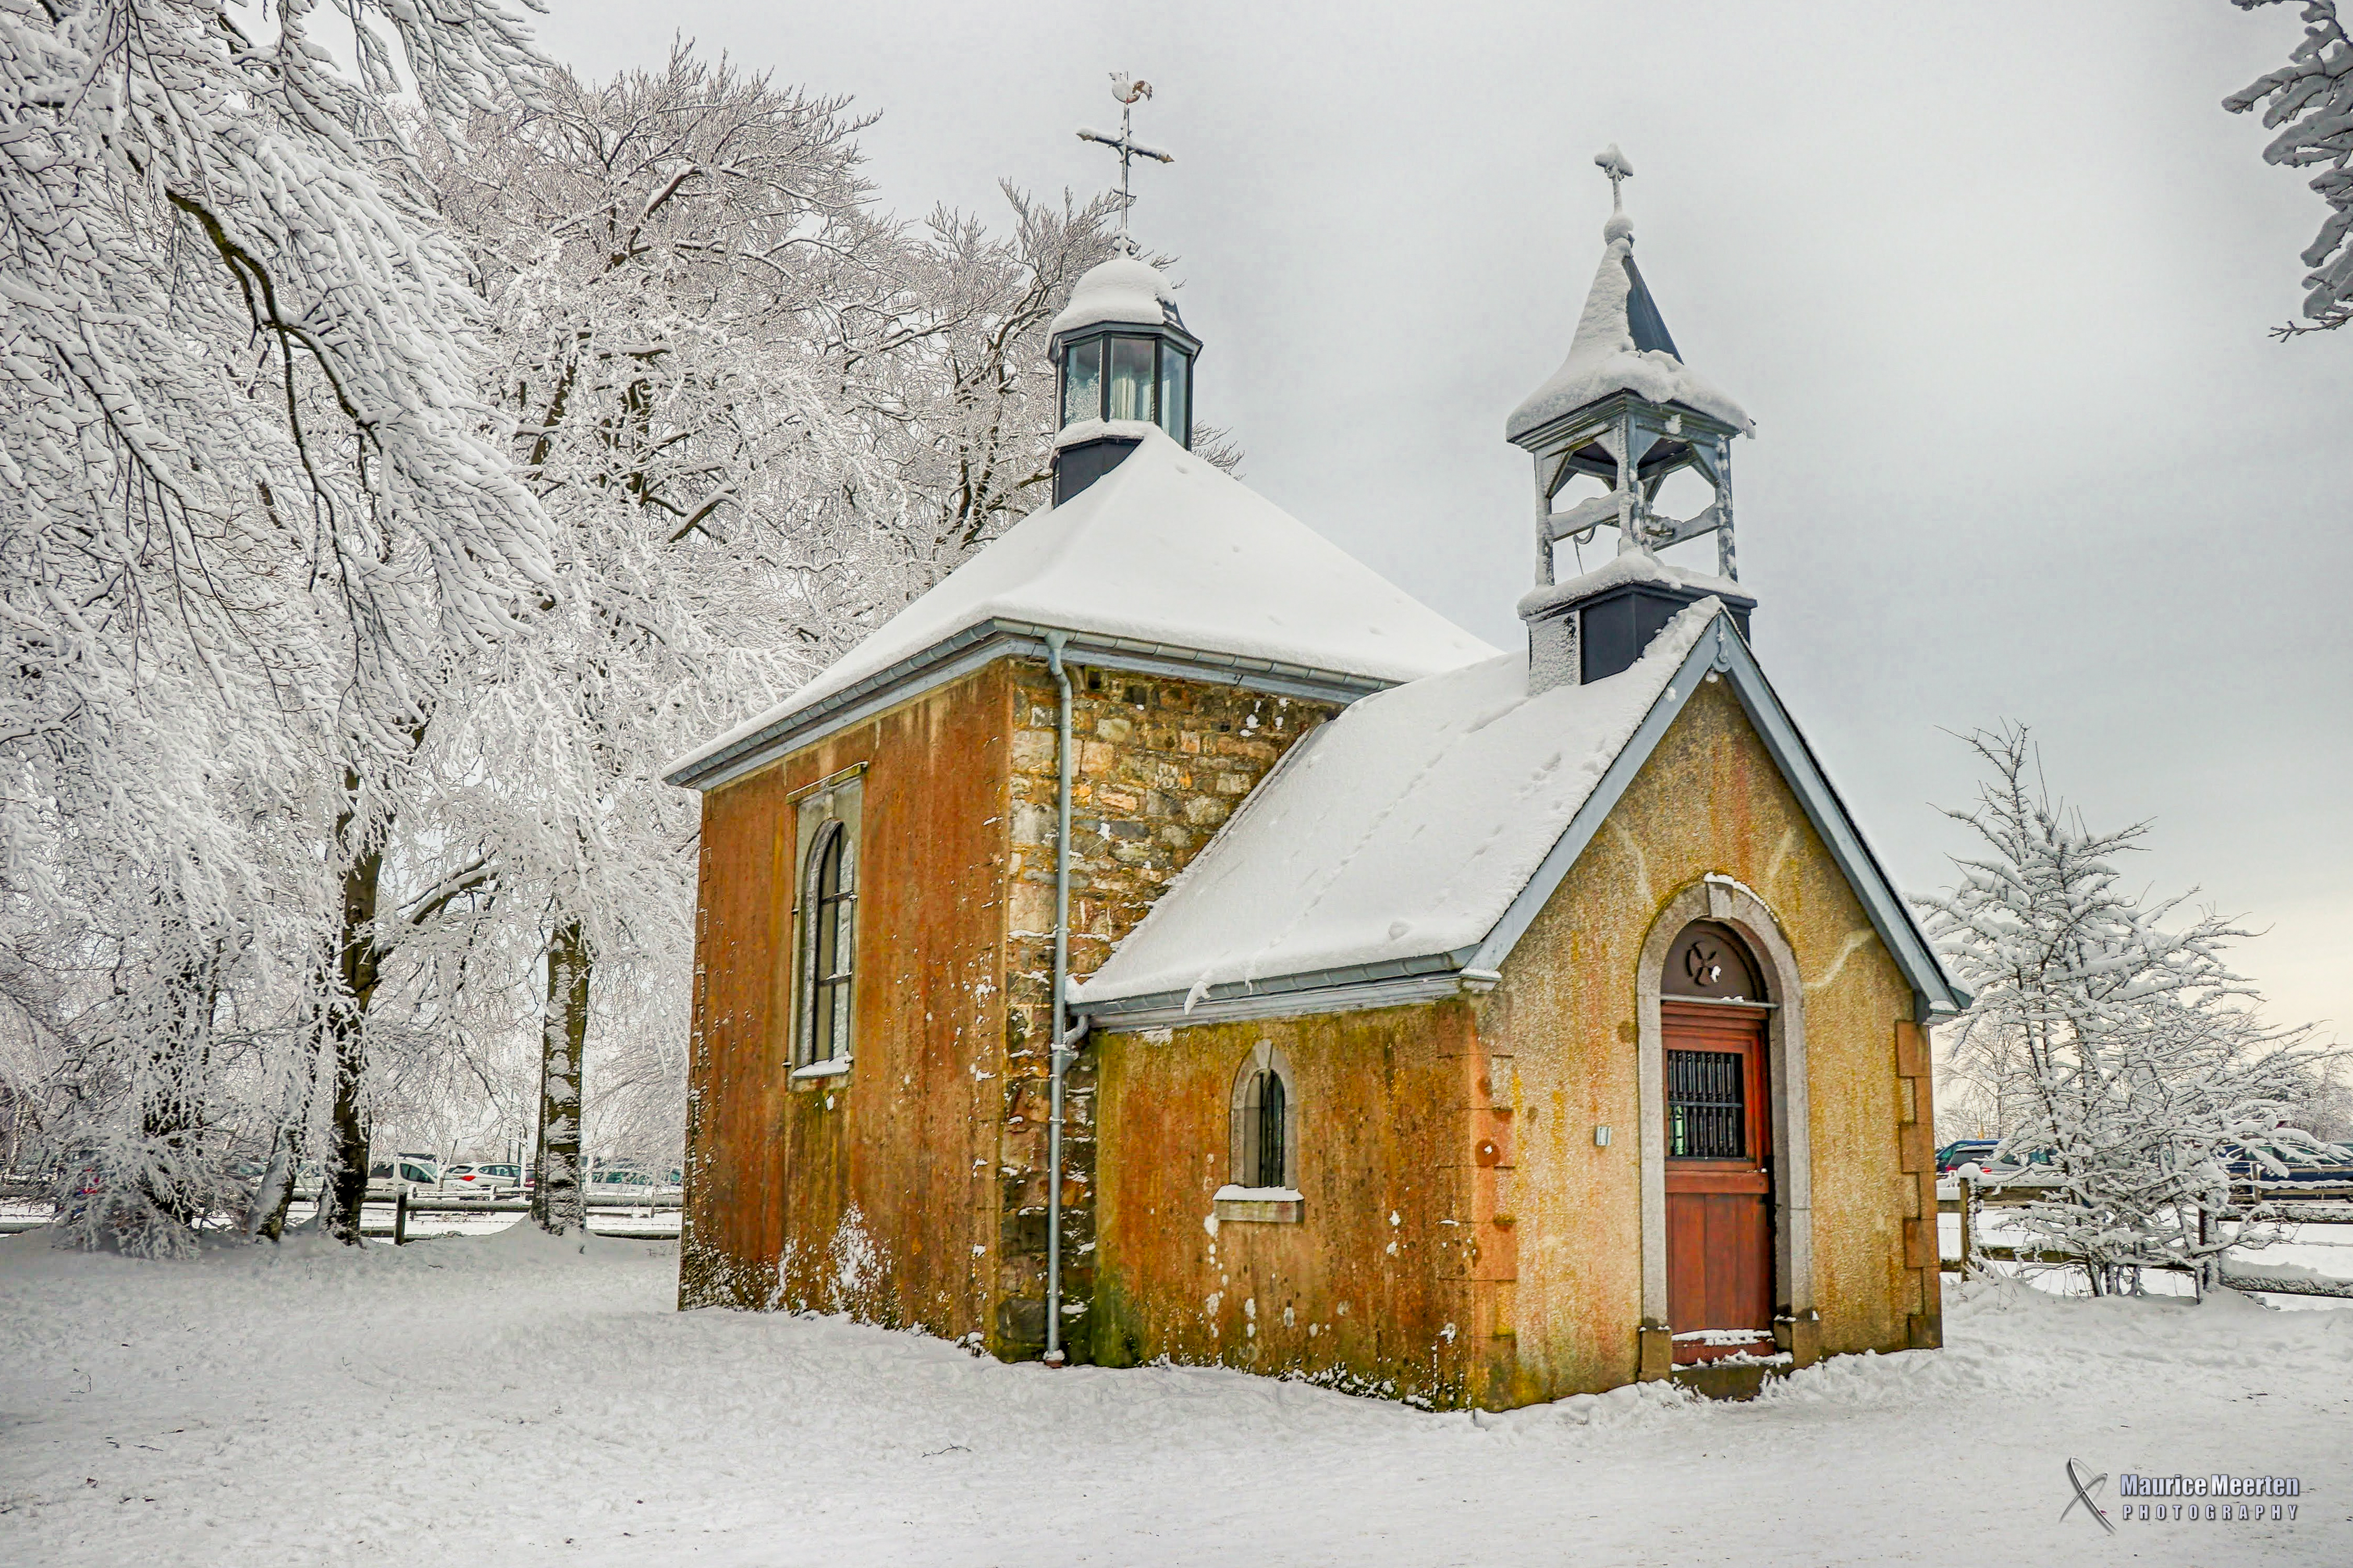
(1993, 279)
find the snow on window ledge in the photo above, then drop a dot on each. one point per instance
(1079, 430)
(837, 1066)
(1262, 1205)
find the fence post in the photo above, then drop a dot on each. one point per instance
(400, 1217)
(2208, 1273)
(1969, 1224)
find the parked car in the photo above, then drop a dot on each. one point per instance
(1978, 1151)
(2244, 1166)
(619, 1182)
(403, 1172)
(483, 1178)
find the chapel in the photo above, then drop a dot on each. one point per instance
(1167, 939)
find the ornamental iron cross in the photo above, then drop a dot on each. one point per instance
(1613, 163)
(1127, 89)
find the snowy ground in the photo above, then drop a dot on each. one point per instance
(508, 1400)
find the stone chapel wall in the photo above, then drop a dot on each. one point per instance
(1161, 764)
(1464, 1238)
(873, 1193)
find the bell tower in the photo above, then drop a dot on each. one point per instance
(1122, 359)
(1625, 410)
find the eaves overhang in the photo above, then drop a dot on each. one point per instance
(1721, 652)
(959, 654)
(1599, 416)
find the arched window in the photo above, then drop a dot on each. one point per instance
(1265, 1121)
(829, 946)
(1262, 1108)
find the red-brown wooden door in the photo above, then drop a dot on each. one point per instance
(1719, 1181)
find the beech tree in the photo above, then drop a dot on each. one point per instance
(762, 415)
(245, 484)
(2130, 1061)
(398, 467)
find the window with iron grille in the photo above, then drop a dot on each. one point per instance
(1708, 1105)
(832, 908)
(1262, 1138)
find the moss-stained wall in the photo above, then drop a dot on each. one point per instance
(913, 1190)
(1374, 1289)
(1463, 1240)
(1512, 1271)
(1709, 799)
(873, 1193)
(1160, 764)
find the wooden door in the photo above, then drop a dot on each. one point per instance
(1719, 1181)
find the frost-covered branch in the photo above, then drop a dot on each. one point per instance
(2309, 102)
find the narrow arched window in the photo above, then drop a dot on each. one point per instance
(1266, 1158)
(829, 946)
(1265, 1121)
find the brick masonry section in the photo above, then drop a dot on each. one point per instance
(1161, 764)
(1916, 1135)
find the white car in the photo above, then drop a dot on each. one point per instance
(619, 1183)
(393, 1174)
(487, 1180)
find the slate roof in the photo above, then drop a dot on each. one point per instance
(1621, 345)
(1165, 551)
(1124, 288)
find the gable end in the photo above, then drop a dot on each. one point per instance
(1723, 652)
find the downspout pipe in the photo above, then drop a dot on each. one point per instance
(1062, 1052)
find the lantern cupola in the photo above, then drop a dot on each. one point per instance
(1122, 359)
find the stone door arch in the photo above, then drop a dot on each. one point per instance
(1721, 899)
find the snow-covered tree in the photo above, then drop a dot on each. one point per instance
(2126, 1054)
(2309, 102)
(762, 415)
(245, 480)
(396, 466)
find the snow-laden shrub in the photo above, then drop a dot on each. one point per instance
(2130, 1063)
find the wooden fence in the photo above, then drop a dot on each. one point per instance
(386, 1213)
(402, 1205)
(2311, 1203)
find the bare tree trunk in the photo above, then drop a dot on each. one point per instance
(560, 1203)
(276, 1194)
(359, 958)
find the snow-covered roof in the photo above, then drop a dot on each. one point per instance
(1165, 549)
(1405, 826)
(1124, 289)
(1627, 566)
(1621, 345)
(1417, 836)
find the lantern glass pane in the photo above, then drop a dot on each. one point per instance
(1082, 382)
(1130, 378)
(1173, 405)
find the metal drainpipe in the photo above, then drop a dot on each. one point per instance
(1061, 1057)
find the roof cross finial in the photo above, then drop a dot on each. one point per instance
(1613, 163)
(1127, 89)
